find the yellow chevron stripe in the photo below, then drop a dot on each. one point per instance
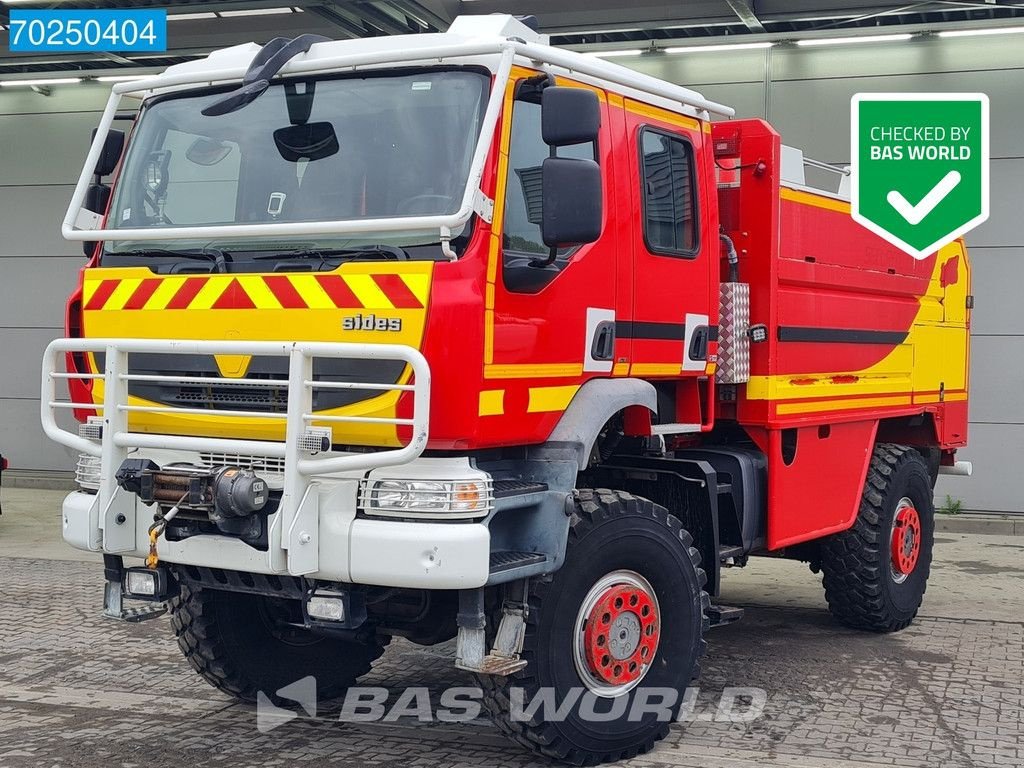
(88, 289)
(368, 292)
(419, 285)
(123, 292)
(164, 293)
(210, 292)
(311, 292)
(258, 291)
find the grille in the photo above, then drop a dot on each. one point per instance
(245, 397)
(265, 463)
(233, 397)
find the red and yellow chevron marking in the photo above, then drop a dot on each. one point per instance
(133, 302)
(380, 291)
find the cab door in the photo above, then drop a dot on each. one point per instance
(674, 247)
(547, 317)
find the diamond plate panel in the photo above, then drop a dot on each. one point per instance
(733, 342)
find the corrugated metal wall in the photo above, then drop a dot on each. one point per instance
(804, 92)
(43, 141)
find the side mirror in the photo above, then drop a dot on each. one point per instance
(572, 211)
(97, 196)
(569, 116)
(113, 145)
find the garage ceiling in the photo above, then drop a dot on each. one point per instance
(198, 26)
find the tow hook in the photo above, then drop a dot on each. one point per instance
(157, 529)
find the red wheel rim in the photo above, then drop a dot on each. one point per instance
(621, 634)
(906, 540)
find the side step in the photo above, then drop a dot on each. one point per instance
(504, 657)
(720, 615)
(505, 488)
(113, 606)
(506, 561)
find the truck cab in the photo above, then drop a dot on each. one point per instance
(465, 336)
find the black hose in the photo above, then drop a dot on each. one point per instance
(732, 256)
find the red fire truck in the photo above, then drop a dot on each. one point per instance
(462, 336)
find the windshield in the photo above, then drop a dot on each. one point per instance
(354, 147)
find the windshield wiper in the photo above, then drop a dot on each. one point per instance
(323, 254)
(219, 257)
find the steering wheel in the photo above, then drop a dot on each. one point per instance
(409, 205)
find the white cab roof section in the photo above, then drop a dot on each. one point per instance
(230, 64)
(496, 42)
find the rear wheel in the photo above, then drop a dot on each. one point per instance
(624, 615)
(875, 574)
(243, 644)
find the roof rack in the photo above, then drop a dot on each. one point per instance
(792, 174)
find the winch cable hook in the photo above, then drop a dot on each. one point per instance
(157, 529)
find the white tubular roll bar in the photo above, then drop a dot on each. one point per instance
(298, 509)
(80, 224)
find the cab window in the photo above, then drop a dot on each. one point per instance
(667, 188)
(521, 235)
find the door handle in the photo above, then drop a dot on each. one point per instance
(603, 347)
(699, 343)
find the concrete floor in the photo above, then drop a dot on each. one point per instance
(76, 689)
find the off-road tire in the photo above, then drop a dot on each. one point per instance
(229, 640)
(859, 585)
(609, 530)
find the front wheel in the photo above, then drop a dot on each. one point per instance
(244, 644)
(620, 625)
(875, 574)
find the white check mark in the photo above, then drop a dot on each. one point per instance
(915, 213)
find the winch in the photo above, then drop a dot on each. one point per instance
(221, 492)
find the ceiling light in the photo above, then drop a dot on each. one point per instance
(44, 81)
(989, 31)
(726, 47)
(854, 39)
(187, 16)
(120, 78)
(257, 12)
(615, 54)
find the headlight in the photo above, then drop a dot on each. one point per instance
(428, 498)
(87, 472)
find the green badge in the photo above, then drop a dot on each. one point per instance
(919, 175)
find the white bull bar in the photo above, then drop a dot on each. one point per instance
(293, 532)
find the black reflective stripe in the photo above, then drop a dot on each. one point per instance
(630, 329)
(840, 335)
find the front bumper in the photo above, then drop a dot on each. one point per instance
(390, 553)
